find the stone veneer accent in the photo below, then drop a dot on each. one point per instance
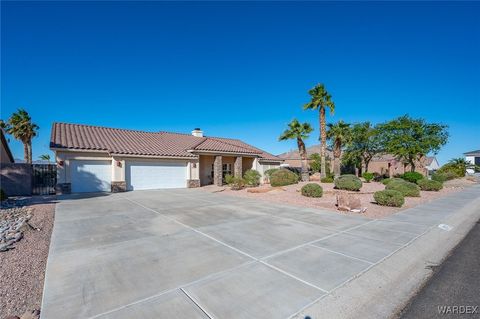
(217, 171)
(237, 167)
(63, 188)
(118, 187)
(193, 183)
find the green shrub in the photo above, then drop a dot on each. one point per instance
(443, 177)
(327, 179)
(389, 197)
(368, 176)
(312, 190)
(454, 169)
(430, 185)
(252, 177)
(388, 180)
(404, 187)
(238, 183)
(348, 182)
(283, 177)
(3, 196)
(229, 179)
(412, 177)
(270, 171)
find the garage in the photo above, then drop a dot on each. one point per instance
(155, 175)
(91, 176)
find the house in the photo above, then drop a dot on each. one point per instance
(390, 165)
(92, 158)
(292, 158)
(6, 156)
(473, 157)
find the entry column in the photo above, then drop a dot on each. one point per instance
(217, 171)
(238, 167)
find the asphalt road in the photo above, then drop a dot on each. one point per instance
(455, 283)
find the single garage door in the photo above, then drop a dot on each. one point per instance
(91, 176)
(155, 175)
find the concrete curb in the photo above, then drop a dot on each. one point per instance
(383, 290)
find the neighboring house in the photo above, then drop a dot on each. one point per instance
(292, 158)
(92, 158)
(473, 157)
(5, 153)
(390, 165)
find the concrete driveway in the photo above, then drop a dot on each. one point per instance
(192, 254)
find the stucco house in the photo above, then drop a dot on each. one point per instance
(473, 157)
(389, 164)
(6, 156)
(93, 158)
(292, 158)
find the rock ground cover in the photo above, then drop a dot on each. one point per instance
(22, 265)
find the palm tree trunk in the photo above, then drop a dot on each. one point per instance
(303, 155)
(323, 141)
(29, 147)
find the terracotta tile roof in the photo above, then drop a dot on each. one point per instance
(131, 142)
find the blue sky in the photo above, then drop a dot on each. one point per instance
(240, 69)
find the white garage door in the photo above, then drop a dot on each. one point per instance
(154, 175)
(91, 176)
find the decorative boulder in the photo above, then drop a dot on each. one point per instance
(348, 202)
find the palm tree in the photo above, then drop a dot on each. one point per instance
(320, 100)
(298, 131)
(45, 157)
(21, 127)
(339, 134)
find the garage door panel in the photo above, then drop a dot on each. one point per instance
(155, 175)
(91, 176)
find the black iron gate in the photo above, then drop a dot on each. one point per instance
(44, 179)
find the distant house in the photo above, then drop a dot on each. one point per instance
(473, 157)
(389, 164)
(5, 153)
(292, 158)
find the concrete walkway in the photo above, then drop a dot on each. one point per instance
(192, 254)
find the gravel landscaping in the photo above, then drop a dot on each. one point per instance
(291, 195)
(25, 238)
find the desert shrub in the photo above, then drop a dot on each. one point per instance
(368, 176)
(389, 197)
(348, 182)
(270, 171)
(412, 177)
(3, 196)
(237, 183)
(252, 177)
(312, 190)
(430, 185)
(379, 177)
(327, 179)
(443, 177)
(406, 188)
(229, 179)
(388, 180)
(453, 169)
(283, 177)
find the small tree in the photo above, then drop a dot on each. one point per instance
(364, 145)
(339, 134)
(315, 164)
(20, 126)
(298, 131)
(321, 100)
(410, 139)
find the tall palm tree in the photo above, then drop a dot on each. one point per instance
(321, 100)
(298, 131)
(339, 134)
(21, 127)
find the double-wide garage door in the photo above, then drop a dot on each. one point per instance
(154, 175)
(96, 175)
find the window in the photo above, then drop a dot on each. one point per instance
(226, 169)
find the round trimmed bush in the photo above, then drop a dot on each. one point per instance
(443, 177)
(283, 177)
(406, 188)
(252, 177)
(389, 197)
(388, 180)
(327, 179)
(368, 176)
(429, 185)
(312, 190)
(348, 182)
(412, 177)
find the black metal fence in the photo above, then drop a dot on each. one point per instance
(44, 179)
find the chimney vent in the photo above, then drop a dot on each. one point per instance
(197, 132)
